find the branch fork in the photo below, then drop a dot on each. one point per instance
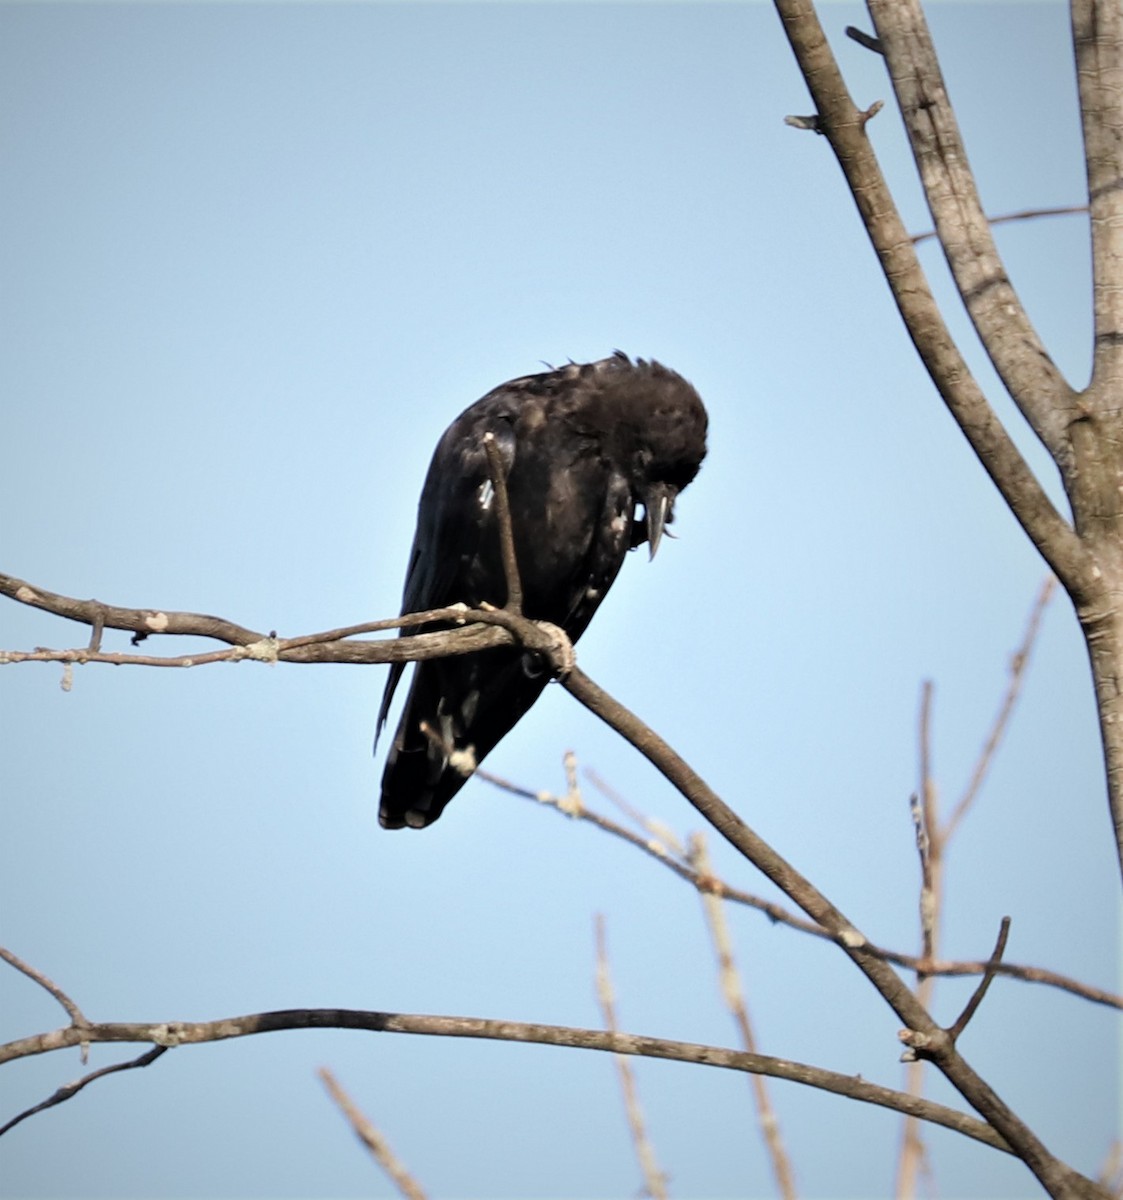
(936, 1044)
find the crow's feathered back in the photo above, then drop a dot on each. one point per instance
(584, 447)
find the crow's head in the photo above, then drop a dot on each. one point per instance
(655, 424)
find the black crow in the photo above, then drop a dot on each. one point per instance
(584, 448)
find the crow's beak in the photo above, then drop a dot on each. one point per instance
(657, 505)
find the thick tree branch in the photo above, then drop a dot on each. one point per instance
(185, 1033)
(922, 1034)
(841, 122)
(1097, 31)
(1018, 354)
(1086, 557)
(1097, 489)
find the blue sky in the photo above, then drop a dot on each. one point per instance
(256, 258)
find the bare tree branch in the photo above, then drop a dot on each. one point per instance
(655, 1180)
(477, 629)
(734, 995)
(922, 1033)
(863, 39)
(1084, 433)
(1097, 501)
(1097, 34)
(960, 1023)
(168, 1034)
(662, 833)
(929, 843)
(332, 646)
(1018, 663)
(366, 1132)
(139, 621)
(1018, 354)
(72, 1089)
(933, 837)
(1025, 214)
(930, 848)
(660, 849)
(75, 1014)
(840, 121)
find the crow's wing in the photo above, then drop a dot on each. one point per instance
(453, 515)
(460, 708)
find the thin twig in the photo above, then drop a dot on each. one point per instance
(809, 122)
(913, 1156)
(81, 657)
(96, 631)
(663, 834)
(1018, 665)
(457, 613)
(72, 1010)
(933, 838)
(142, 621)
(498, 474)
(734, 995)
(572, 786)
(929, 839)
(655, 1180)
(968, 1012)
(471, 630)
(366, 1132)
(72, 1089)
(629, 810)
(864, 39)
(1027, 214)
(778, 915)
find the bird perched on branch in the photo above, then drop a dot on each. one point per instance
(584, 449)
